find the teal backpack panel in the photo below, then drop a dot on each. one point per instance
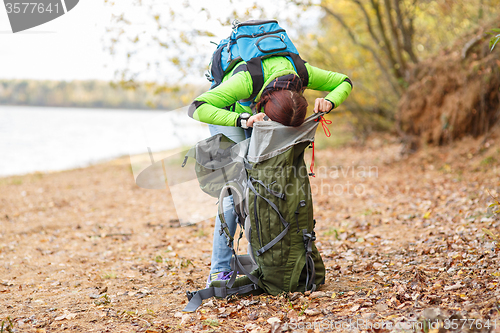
(251, 41)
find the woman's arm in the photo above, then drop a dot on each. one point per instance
(338, 85)
(210, 106)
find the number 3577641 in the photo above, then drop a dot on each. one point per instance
(31, 7)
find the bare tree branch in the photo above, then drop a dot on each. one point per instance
(395, 36)
(368, 21)
(407, 32)
(383, 69)
(387, 45)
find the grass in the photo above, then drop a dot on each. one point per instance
(488, 160)
(201, 233)
(211, 322)
(7, 326)
(110, 275)
(11, 181)
(332, 231)
(103, 300)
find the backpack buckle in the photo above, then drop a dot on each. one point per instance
(235, 24)
(209, 77)
(190, 295)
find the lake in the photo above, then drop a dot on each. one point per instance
(49, 139)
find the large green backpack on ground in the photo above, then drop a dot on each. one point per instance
(274, 207)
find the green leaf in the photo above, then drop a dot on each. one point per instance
(494, 42)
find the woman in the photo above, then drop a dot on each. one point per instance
(280, 100)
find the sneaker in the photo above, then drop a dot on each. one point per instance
(220, 276)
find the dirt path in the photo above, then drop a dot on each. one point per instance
(86, 250)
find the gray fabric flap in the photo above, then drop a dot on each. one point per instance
(270, 138)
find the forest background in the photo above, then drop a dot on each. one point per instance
(380, 44)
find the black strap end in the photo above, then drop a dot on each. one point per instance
(348, 80)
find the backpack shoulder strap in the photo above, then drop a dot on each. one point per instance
(254, 67)
(300, 67)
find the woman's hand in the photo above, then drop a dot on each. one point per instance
(258, 117)
(322, 105)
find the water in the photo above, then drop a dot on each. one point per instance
(49, 139)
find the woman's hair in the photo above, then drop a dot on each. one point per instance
(287, 107)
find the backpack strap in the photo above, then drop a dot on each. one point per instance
(240, 269)
(300, 67)
(231, 189)
(309, 238)
(254, 67)
(196, 298)
(227, 190)
(273, 206)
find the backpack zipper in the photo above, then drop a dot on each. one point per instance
(261, 34)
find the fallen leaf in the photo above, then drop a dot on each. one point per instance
(313, 312)
(250, 326)
(318, 294)
(209, 304)
(354, 308)
(456, 286)
(292, 315)
(184, 318)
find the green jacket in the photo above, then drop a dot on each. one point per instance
(219, 106)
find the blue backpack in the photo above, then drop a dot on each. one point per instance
(251, 41)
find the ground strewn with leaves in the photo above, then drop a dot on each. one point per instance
(411, 240)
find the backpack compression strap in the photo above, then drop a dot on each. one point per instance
(309, 238)
(231, 189)
(286, 225)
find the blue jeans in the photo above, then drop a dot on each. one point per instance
(221, 253)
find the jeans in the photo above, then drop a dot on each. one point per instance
(221, 253)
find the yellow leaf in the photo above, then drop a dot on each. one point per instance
(427, 214)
